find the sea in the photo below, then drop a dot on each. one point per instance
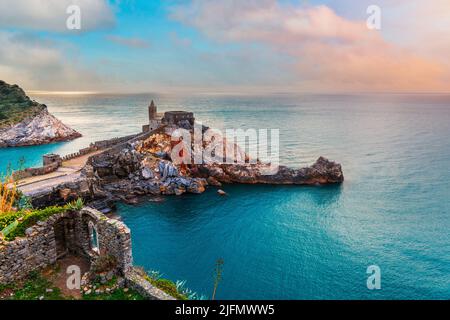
(293, 242)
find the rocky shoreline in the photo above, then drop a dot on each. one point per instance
(143, 168)
(143, 165)
(26, 122)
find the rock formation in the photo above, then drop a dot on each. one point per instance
(143, 166)
(24, 122)
(322, 172)
(139, 169)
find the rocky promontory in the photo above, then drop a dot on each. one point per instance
(148, 164)
(24, 122)
(145, 167)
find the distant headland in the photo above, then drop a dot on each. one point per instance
(24, 122)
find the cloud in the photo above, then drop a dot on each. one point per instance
(331, 52)
(129, 42)
(50, 15)
(36, 63)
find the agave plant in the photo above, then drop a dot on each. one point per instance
(76, 205)
(191, 295)
(154, 275)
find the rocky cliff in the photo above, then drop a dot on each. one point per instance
(24, 122)
(145, 168)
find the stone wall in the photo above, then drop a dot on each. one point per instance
(35, 251)
(135, 279)
(98, 145)
(114, 238)
(111, 142)
(32, 172)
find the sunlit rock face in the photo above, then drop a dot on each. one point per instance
(24, 122)
(147, 167)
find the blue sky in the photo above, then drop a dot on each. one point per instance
(225, 46)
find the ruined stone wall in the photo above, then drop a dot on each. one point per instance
(35, 251)
(114, 238)
(41, 247)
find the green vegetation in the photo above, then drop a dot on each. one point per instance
(75, 205)
(28, 218)
(177, 289)
(38, 287)
(15, 106)
(168, 287)
(34, 287)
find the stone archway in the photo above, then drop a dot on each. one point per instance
(65, 240)
(60, 238)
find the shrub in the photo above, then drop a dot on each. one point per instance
(75, 205)
(8, 194)
(176, 290)
(8, 218)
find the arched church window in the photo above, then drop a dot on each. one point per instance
(93, 237)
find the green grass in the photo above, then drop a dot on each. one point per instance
(27, 220)
(33, 288)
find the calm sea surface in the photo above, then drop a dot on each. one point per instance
(295, 242)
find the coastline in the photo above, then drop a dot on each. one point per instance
(138, 165)
(26, 123)
(384, 196)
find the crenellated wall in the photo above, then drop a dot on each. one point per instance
(32, 172)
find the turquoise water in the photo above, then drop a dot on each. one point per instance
(297, 242)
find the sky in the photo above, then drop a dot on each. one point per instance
(229, 46)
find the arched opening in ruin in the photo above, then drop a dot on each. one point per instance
(62, 229)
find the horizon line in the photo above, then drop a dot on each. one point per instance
(250, 92)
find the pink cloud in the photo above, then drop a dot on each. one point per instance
(332, 53)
